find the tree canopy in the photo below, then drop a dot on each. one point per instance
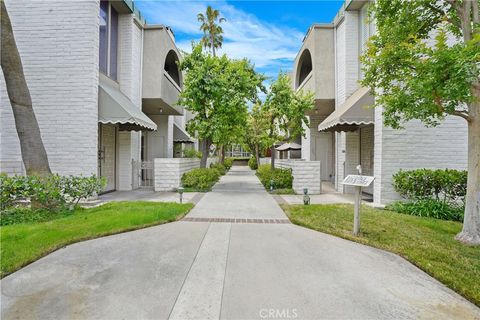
(216, 91)
(424, 63)
(212, 31)
(286, 111)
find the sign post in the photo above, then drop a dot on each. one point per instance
(358, 181)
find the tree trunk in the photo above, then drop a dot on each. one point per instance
(205, 148)
(257, 155)
(33, 152)
(221, 154)
(471, 222)
(272, 161)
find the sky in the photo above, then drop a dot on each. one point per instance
(268, 33)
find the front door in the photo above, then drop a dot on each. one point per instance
(323, 153)
(106, 155)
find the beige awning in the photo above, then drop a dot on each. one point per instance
(289, 146)
(355, 112)
(115, 108)
(179, 135)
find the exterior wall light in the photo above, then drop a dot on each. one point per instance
(306, 197)
(180, 193)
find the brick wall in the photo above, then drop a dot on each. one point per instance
(306, 174)
(168, 172)
(420, 147)
(130, 81)
(347, 65)
(58, 45)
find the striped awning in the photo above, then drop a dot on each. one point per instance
(180, 136)
(115, 108)
(355, 112)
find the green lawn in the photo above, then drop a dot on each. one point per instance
(426, 242)
(22, 244)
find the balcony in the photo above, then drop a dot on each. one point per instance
(314, 68)
(162, 79)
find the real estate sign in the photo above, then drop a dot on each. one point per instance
(358, 181)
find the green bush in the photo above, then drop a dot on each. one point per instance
(431, 193)
(282, 178)
(222, 170)
(228, 163)
(447, 185)
(428, 208)
(201, 179)
(53, 192)
(192, 153)
(252, 163)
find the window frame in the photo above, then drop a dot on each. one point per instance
(109, 44)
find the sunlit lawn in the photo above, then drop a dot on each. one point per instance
(25, 243)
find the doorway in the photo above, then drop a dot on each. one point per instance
(106, 155)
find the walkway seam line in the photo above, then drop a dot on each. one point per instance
(188, 272)
(226, 267)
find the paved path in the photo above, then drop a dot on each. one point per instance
(228, 270)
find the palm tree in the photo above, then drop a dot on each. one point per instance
(212, 38)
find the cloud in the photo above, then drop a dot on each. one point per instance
(269, 46)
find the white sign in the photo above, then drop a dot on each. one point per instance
(358, 181)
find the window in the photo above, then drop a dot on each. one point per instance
(304, 67)
(113, 43)
(171, 67)
(108, 40)
(103, 55)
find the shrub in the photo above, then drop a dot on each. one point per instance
(228, 163)
(431, 193)
(219, 167)
(192, 153)
(282, 178)
(252, 163)
(428, 208)
(447, 185)
(200, 178)
(52, 192)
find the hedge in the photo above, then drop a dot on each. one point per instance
(281, 178)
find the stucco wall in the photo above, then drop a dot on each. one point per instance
(58, 45)
(168, 172)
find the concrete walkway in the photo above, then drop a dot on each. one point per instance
(235, 269)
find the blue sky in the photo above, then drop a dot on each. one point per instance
(269, 33)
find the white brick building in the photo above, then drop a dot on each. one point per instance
(104, 87)
(343, 132)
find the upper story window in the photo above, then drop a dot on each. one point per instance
(108, 40)
(172, 67)
(304, 67)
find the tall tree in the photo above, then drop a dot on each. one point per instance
(424, 63)
(241, 84)
(216, 90)
(211, 28)
(255, 135)
(212, 39)
(286, 110)
(33, 152)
